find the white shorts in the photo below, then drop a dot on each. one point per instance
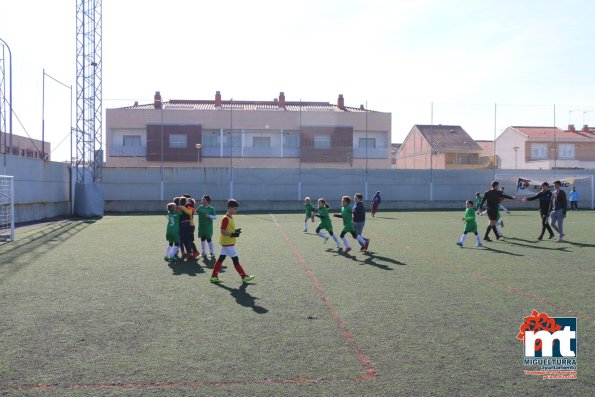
(229, 250)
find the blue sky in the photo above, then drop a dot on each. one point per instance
(397, 56)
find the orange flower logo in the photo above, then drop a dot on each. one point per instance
(538, 322)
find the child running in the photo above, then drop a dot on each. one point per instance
(359, 218)
(172, 233)
(325, 222)
(347, 215)
(470, 225)
(206, 216)
(227, 239)
(309, 212)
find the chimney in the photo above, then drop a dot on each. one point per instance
(157, 100)
(585, 128)
(571, 128)
(341, 102)
(281, 100)
(361, 107)
(218, 99)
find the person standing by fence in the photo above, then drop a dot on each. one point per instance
(376, 200)
(558, 208)
(573, 197)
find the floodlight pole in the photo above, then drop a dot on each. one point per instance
(9, 103)
(366, 175)
(231, 148)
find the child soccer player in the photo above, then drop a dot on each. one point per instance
(347, 214)
(325, 222)
(478, 199)
(186, 232)
(309, 212)
(172, 232)
(191, 204)
(206, 216)
(470, 225)
(227, 239)
(359, 218)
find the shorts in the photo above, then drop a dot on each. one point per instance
(493, 214)
(229, 250)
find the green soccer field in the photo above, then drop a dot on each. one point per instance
(91, 308)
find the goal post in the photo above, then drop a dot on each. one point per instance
(6, 208)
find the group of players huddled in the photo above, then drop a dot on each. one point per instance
(353, 216)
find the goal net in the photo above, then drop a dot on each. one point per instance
(6, 208)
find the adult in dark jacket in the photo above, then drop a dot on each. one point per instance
(545, 198)
(558, 208)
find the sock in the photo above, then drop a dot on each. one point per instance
(167, 251)
(345, 242)
(487, 232)
(336, 239)
(321, 234)
(305, 225)
(203, 245)
(240, 270)
(174, 251)
(496, 230)
(216, 268)
(478, 237)
(361, 240)
(462, 239)
(211, 248)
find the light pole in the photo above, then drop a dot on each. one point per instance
(570, 115)
(9, 103)
(198, 146)
(516, 149)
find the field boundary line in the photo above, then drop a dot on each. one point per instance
(477, 275)
(361, 356)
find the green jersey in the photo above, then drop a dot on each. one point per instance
(347, 215)
(309, 209)
(470, 224)
(205, 222)
(172, 233)
(325, 219)
(478, 200)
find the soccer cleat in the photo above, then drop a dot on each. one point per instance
(166, 258)
(366, 244)
(195, 255)
(338, 247)
(460, 244)
(212, 256)
(551, 236)
(247, 278)
(347, 249)
(305, 230)
(486, 238)
(325, 239)
(215, 280)
(479, 245)
(560, 240)
(498, 236)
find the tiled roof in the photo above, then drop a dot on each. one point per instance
(448, 138)
(177, 104)
(552, 132)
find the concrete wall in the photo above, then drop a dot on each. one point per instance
(41, 188)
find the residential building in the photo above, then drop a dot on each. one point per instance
(546, 148)
(224, 133)
(25, 147)
(439, 147)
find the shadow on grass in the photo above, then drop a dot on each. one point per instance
(42, 240)
(190, 268)
(497, 251)
(383, 217)
(372, 259)
(582, 245)
(533, 244)
(243, 298)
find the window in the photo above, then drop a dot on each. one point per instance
(263, 142)
(370, 143)
(322, 142)
(566, 151)
(210, 140)
(291, 141)
(131, 141)
(178, 141)
(538, 151)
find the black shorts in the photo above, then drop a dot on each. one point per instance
(493, 214)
